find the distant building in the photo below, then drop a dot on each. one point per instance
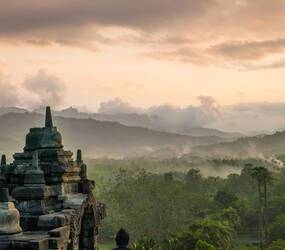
(46, 200)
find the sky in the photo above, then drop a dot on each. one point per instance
(146, 53)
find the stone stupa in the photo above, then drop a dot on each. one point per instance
(46, 199)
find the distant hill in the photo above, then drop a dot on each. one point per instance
(97, 138)
(6, 110)
(143, 120)
(199, 131)
(249, 146)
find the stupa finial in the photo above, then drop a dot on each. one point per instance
(3, 160)
(49, 123)
(79, 156)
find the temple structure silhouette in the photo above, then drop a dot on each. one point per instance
(46, 199)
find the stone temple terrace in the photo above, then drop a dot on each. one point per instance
(46, 200)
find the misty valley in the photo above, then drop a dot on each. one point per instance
(192, 202)
(170, 191)
(142, 125)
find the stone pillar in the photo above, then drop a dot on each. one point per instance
(9, 215)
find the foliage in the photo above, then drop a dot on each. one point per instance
(277, 245)
(225, 199)
(203, 245)
(246, 247)
(277, 228)
(173, 203)
(218, 234)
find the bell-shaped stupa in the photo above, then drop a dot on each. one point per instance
(9, 215)
(44, 138)
(53, 197)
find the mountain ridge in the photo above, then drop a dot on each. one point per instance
(131, 119)
(272, 144)
(98, 138)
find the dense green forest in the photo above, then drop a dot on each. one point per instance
(193, 203)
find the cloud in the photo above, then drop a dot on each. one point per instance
(39, 42)
(249, 50)
(176, 119)
(8, 93)
(32, 15)
(275, 64)
(82, 22)
(117, 106)
(245, 117)
(209, 104)
(46, 89)
(168, 117)
(246, 55)
(237, 33)
(263, 108)
(185, 55)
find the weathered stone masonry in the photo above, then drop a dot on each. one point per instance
(46, 200)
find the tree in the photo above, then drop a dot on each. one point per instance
(148, 205)
(203, 245)
(168, 177)
(229, 216)
(194, 179)
(219, 234)
(225, 199)
(262, 177)
(277, 228)
(277, 245)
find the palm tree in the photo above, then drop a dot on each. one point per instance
(262, 177)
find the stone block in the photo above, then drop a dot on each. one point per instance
(54, 243)
(4, 195)
(74, 201)
(5, 244)
(60, 232)
(36, 192)
(29, 222)
(41, 244)
(35, 207)
(51, 221)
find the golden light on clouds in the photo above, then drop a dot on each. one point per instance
(146, 52)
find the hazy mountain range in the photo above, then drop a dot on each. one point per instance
(145, 120)
(97, 138)
(257, 146)
(130, 135)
